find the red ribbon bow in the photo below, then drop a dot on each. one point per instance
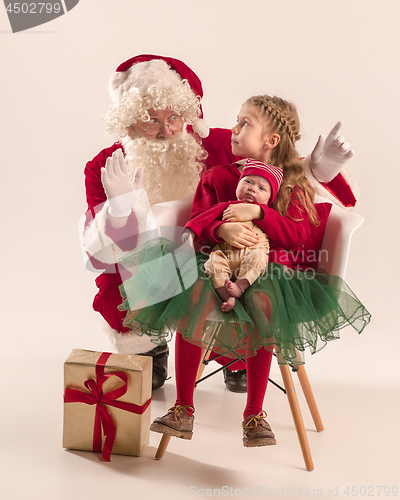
(97, 397)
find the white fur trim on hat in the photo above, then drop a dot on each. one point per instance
(142, 76)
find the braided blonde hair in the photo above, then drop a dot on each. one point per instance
(282, 119)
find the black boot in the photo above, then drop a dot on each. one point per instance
(235, 381)
(160, 365)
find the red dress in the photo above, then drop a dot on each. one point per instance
(303, 241)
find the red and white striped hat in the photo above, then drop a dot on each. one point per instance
(270, 172)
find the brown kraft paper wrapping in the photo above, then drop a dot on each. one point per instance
(132, 430)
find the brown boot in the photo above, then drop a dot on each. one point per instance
(176, 422)
(257, 431)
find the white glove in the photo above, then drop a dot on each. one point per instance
(121, 193)
(330, 156)
(188, 236)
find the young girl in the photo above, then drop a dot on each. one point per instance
(284, 310)
(259, 183)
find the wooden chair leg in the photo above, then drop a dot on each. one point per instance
(162, 447)
(165, 439)
(308, 394)
(296, 414)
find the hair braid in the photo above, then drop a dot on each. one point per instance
(281, 112)
(281, 116)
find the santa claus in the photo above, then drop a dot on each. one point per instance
(162, 148)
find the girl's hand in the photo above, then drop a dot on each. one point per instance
(242, 212)
(237, 234)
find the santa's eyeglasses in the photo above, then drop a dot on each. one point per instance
(154, 126)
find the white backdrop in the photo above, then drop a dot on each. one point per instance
(337, 60)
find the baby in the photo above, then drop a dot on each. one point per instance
(233, 270)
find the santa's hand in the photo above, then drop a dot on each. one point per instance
(120, 191)
(330, 155)
(137, 178)
(188, 236)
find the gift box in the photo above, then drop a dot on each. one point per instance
(107, 402)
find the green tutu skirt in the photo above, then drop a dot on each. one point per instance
(287, 310)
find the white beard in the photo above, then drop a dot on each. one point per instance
(171, 167)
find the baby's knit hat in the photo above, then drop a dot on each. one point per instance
(270, 172)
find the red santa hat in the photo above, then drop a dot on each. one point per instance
(273, 174)
(144, 71)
